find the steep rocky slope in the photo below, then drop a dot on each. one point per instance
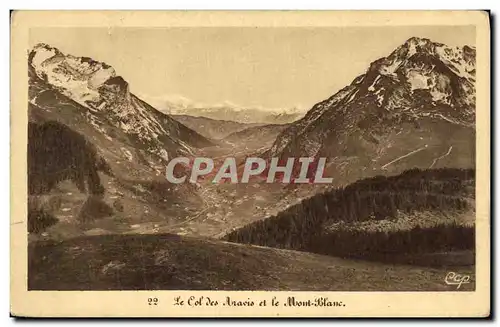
(131, 138)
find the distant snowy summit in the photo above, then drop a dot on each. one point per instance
(228, 111)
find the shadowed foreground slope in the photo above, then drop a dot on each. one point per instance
(129, 262)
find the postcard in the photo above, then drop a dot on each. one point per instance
(250, 164)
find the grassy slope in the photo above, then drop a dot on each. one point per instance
(168, 261)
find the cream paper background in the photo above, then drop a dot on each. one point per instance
(134, 303)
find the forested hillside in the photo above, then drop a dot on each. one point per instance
(419, 211)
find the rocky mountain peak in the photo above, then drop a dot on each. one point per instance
(460, 60)
(104, 99)
(417, 44)
(420, 82)
(80, 78)
(425, 74)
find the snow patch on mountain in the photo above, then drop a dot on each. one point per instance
(417, 80)
(371, 88)
(42, 52)
(461, 60)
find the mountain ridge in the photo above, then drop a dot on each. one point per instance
(232, 112)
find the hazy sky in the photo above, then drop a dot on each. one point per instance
(269, 67)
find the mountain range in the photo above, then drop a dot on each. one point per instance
(226, 111)
(413, 109)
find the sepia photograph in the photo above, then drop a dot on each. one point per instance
(334, 158)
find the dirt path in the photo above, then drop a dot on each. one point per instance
(404, 156)
(441, 157)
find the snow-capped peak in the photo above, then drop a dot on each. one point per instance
(106, 102)
(447, 73)
(77, 77)
(42, 52)
(461, 60)
(419, 79)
